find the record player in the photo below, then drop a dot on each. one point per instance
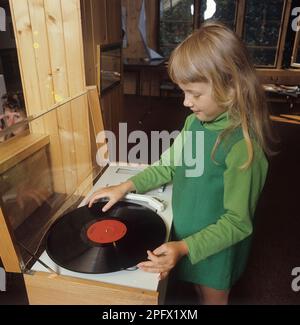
(50, 279)
(138, 284)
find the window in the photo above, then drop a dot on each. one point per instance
(263, 25)
(176, 23)
(224, 11)
(262, 30)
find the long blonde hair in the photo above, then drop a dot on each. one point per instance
(214, 54)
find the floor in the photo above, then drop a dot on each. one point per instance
(276, 245)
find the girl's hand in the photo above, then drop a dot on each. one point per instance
(163, 259)
(113, 193)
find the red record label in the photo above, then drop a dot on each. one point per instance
(106, 231)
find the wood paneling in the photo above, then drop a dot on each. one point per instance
(113, 21)
(49, 41)
(8, 250)
(112, 109)
(101, 26)
(47, 289)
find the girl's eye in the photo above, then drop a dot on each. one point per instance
(197, 96)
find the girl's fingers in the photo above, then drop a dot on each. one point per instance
(95, 198)
(152, 257)
(161, 250)
(163, 275)
(152, 269)
(146, 264)
(109, 205)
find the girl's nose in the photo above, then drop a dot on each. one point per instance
(187, 102)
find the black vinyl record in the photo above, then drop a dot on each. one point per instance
(88, 240)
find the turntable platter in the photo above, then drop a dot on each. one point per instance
(87, 240)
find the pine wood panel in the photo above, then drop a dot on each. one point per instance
(27, 62)
(45, 289)
(49, 41)
(80, 120)
(60, 88)
(66, 136)
(75, 67)
(41, 51)
(96, 113)
(48, 48)
(56, 42)
(73, 45)
(63, 132)
(8, 253)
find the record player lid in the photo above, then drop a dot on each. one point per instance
(33, 198)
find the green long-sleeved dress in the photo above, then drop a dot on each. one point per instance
(212, 211)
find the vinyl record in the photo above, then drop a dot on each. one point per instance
(90, 241)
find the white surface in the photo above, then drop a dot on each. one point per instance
(151, 201)
(134, 279)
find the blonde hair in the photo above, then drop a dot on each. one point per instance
(214, 54)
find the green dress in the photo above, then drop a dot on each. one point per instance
(212, 212)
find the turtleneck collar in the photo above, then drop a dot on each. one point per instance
(219, 123)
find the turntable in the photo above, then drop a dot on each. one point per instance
(98, 265)
(130, 285)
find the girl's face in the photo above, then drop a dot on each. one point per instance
(198, 97)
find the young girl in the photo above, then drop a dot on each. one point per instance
(212, 213)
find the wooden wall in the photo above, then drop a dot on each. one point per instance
(49, 42)
(101, 25)
(135, 47)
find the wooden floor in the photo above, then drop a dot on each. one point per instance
(276, 244)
